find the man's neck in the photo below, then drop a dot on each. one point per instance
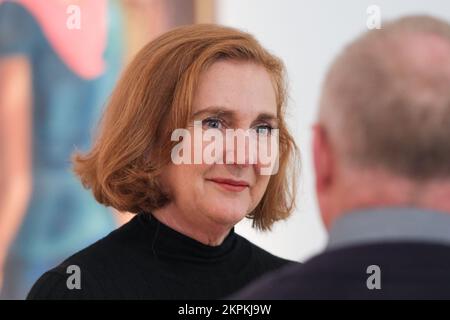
(380, 189)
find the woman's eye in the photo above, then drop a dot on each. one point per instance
(263, 129)
(212, 123)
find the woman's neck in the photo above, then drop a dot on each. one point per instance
(200, 228)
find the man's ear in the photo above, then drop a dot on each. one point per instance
(325, 173)
(323, 158)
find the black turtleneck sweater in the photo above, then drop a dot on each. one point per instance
(145, 259)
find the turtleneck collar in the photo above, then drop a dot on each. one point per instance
(166, 242)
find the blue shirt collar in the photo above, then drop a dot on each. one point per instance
(390, 225)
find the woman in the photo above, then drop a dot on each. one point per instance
(181, 244)
(53, 82)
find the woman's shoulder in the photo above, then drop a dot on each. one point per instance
(268, 260)
(66, 281)
(87, 273)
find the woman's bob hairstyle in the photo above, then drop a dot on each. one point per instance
(153, 97)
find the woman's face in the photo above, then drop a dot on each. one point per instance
(230, 95)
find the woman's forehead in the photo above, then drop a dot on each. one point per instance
(236, 87)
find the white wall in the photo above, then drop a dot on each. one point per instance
(307, 35)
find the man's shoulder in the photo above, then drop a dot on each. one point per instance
(343, 273)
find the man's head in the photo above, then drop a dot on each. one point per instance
(383, 135)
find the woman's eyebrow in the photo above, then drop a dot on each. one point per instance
(267, 117)
(222, 111)
(215, 110)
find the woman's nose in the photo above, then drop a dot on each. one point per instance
(241, 148)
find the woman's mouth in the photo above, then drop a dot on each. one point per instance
(230, 184)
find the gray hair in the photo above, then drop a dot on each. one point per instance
(386, 99)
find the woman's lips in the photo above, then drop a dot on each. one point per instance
(230, 185)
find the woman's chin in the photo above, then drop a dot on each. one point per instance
(225, 214)
(226, 207)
